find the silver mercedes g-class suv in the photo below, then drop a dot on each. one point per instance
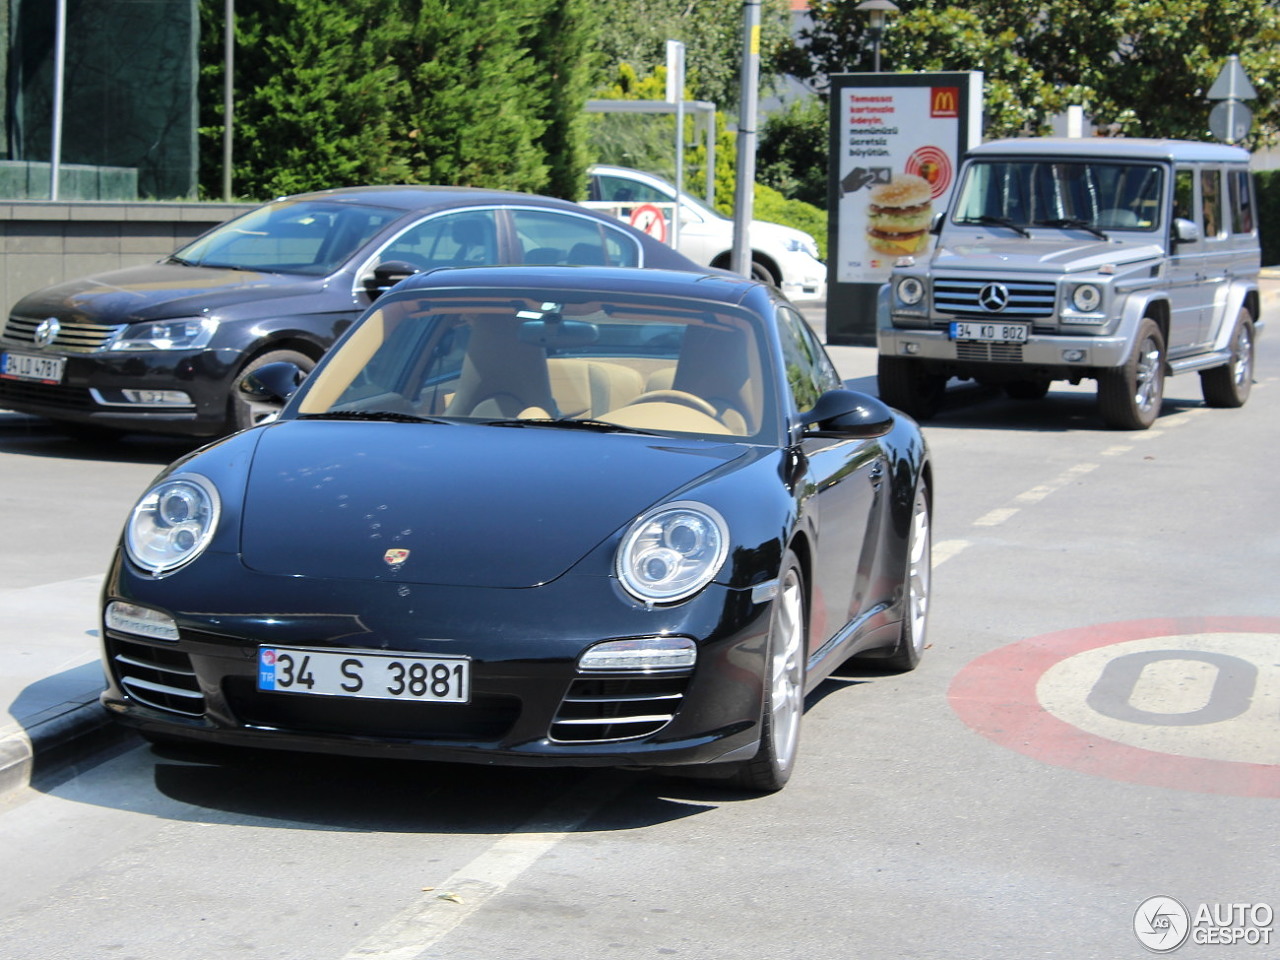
(1118, 260)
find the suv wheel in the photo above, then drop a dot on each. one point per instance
(243, 413)
(1229, 385)
(1129, 397)
(904, 383)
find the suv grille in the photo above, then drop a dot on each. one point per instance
(1027, 299)
(597, 709)
(73, 337)
(157, 676)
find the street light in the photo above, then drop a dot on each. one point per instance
(878, 11)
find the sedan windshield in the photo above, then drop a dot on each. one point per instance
(312, 237)
(1083, 195)
(508, 358)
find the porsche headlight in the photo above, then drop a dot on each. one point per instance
(672, 552)
(172, 523)
(186, 333)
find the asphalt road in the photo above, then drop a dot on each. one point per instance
(1096, 723)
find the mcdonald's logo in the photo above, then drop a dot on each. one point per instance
(944, 102)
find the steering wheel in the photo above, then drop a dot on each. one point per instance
(677, 396)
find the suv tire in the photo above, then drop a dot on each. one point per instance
(1129, 396)
(903, 383)
(1229, 385)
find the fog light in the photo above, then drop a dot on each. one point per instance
(142, 621)
(911, 349)
(643, 654)
(158, 397)
(1073, 356)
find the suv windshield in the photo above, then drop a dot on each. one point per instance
(1110, 195)
(313, 237)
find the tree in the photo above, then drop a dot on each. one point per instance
(1139, 66)
(341, 92)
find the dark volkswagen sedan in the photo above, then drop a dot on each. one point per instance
(531, 516)
(160, 347)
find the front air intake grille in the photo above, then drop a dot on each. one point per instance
(53, 396)
(73, 336)
(160, 677)
(1024, 300)
(998, 352)
(597, 710)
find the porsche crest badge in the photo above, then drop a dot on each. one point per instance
(395, 557)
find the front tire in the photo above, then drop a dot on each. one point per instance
(1129, 397)
(1229, 385)
(916, 583)
(770, 769)
(243, 413)
(904, 383)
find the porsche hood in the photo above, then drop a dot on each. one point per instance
(452, 504)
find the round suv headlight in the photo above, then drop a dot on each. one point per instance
(910, 291)
(172, 523)
(672, 552)
(1086, 298)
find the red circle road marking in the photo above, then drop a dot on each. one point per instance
(995, 695)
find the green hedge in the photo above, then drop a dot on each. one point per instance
(1268, 184)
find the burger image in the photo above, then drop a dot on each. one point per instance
(899, 214)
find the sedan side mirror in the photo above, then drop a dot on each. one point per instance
(848, 415)
(272, 382)
(386, 275)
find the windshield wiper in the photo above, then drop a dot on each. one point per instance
(1075, 223)
(180, 261)
(384, 415)
(568, 423)
(988, 221)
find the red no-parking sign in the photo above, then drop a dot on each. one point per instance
(650, 220)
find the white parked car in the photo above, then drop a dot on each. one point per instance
(783, 256)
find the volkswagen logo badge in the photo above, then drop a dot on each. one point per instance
(47, 331)
(994, 297)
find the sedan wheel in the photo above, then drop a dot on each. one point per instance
(915, 587)
(771, 767)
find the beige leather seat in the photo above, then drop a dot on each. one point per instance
(588, 388)
(501, 376)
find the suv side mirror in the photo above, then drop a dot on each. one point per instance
(935, 225)
(386, 275)
(847, 415)
(1185, 231)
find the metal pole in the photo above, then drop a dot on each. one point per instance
(744, 193)
(59, 78)
(228, 92)
(675, 94)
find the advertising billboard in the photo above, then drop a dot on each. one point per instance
(896, 143)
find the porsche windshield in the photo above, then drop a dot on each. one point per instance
(641, 363)
(312, 237)
(1024, 193)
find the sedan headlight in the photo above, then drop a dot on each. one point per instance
(172, 523)
(1086, 298)
(184, 333)
(672, 552)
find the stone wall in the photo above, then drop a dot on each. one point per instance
(42, 243)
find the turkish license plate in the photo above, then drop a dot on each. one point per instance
(364, 675)
(989, 332)
(23, 366)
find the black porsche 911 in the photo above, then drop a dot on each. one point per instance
(531, 515)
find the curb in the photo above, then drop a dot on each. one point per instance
(53, 740)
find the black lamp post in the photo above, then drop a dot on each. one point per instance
(878, 11)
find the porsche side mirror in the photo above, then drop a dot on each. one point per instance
(848, 415)
(272, 382)
(386, 275)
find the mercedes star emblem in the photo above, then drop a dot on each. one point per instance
(994, 297)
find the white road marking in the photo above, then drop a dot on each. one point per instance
(944, 550)
(451, 901)
(995, 517)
